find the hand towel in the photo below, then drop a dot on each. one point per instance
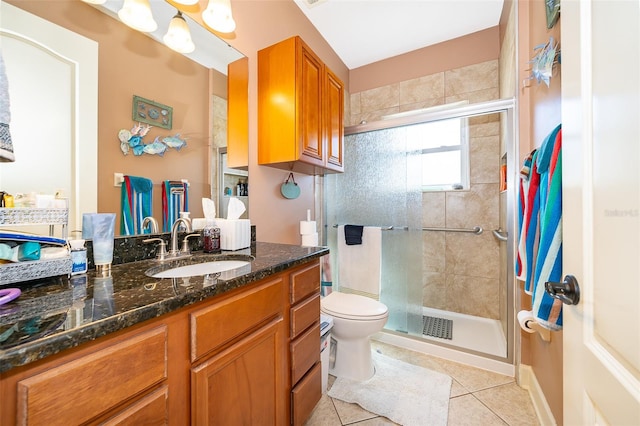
(353, 234)
(175, 199)
(6, 144)
(135, 203)
(359, 266)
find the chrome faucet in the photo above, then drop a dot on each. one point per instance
(152, 222)
(174, 234)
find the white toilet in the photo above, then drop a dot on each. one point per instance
(355, 319)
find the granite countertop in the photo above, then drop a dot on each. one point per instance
(61, 313)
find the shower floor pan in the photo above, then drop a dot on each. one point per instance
(470, 332)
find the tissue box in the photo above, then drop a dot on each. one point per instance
(235, 234)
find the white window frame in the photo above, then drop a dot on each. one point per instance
(463, 147)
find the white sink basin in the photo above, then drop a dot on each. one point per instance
(204, 268)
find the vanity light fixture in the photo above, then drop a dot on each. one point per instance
(218, 16)
(178, 36)
(137, 14)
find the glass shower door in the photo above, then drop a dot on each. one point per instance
(379, 188)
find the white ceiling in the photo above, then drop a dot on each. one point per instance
(366, 31)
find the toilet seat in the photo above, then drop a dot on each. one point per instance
(353, 307)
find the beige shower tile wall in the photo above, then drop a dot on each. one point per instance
(461, 272)
(475, 83)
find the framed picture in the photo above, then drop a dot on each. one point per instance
(153, 113)
(553, 12)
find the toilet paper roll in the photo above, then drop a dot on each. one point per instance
(523, 318)
(310, 240)
(307, 227)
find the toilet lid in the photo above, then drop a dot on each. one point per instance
(353, 306)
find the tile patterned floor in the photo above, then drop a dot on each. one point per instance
(478, 397)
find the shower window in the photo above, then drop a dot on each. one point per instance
(445, 154)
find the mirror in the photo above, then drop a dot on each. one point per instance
(129, 64)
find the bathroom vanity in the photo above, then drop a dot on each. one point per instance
(239, 348)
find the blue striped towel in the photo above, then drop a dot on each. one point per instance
(135, 203)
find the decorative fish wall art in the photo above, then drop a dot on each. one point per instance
(132, 140)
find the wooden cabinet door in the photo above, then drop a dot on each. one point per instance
(238, 114)
(310, 78)
(244, 384)
(334, 112)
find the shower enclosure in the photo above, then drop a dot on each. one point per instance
(440, 184)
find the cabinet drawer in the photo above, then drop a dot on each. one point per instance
(305, 314)
(305, 351)
(90, 386)
(150, 410)
(216, 325)
(305, 282)
(306, 394)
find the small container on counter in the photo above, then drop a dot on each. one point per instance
(211, 237)
(78, 257)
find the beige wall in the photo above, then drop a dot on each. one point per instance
(539, 113)
(475, 48)
(131, 63)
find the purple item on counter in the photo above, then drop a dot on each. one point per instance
(8, 294)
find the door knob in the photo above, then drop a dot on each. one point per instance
(567, 291)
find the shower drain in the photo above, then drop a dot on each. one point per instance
(437, 327)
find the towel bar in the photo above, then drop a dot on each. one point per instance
(386, 228)
(477, 230)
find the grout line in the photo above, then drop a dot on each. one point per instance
(489, 408)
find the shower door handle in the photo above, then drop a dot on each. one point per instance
(567, 291)
(500, 234)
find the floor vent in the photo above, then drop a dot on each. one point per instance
(437, 327)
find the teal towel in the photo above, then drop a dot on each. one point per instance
(7, 253)
(28, 251)
(135, 203)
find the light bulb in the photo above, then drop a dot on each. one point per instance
(137, 14)
(218, 16)
(95, 1)
(178, 36)
(186, 2)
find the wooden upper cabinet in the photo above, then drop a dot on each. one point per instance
(334, 121)
(238, 114)
(300, 110)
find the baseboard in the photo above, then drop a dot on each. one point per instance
(527, 380)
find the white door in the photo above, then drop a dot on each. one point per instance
(601, 210)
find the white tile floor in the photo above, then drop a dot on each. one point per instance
(478, 397)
